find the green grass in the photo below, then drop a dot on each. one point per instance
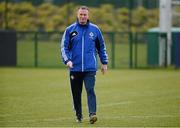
(48, 52)
(41, 97)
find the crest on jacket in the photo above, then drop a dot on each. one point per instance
(91, 35)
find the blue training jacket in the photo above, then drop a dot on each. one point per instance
(80, 44)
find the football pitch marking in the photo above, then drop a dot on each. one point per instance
(143, 116)
(100, 117)
(38, 120)
(115, 104)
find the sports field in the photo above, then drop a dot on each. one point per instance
(41, 97)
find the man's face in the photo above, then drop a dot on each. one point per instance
(83, 16)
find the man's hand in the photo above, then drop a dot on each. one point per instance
(69, 64)
(103, 69)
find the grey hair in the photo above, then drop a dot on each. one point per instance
(84, 8)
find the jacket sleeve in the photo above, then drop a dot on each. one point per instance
(101, 48)
(65, 47)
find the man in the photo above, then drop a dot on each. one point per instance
(80, 43)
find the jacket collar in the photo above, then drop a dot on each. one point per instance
(86, 25)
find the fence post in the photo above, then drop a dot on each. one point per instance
(130, 7)
(130, 50)
(136, 48)
(36, 49)
(112, 50)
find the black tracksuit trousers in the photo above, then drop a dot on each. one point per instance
(77, 79)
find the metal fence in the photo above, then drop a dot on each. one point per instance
(42, 49)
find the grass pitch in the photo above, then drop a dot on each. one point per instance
(31, 97)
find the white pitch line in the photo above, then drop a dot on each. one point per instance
(100, 117)
(139, 116)
(115, 104)
(37, 120)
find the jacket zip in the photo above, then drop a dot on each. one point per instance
(83, 52)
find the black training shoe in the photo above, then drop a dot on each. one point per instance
(93, 119)
(79, 119)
